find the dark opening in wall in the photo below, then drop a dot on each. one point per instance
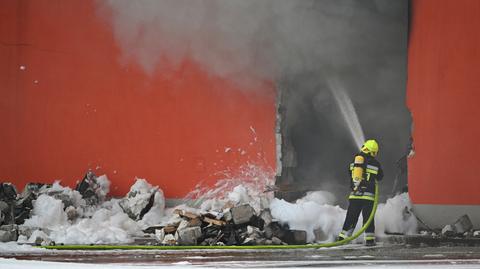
(314, 142)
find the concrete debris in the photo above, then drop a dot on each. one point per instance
(266, 216)
(448, 230)
(476, 234)
(242, 214)
(88, 188)
(228, 225)
(188, 236)
(138, 203)
(276, 241)
(463, 224)
(8, 195)
(8, 233)
(296, 237)
(462, 227)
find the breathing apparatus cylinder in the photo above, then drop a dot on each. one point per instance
(357, 171)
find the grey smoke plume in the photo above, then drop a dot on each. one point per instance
(298, 44)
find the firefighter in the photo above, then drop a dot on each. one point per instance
(364, 172)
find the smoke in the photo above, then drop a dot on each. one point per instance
(300, 45)
(263, 39)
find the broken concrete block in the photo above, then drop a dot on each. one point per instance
(299, 237)
(8, 192)
(275, 229)
(266, 216)
(276, 241)
(242, 214)
(88, 188)
(188, 236)
(137, 204)
(448, 230)
(9, 235)
(463, 224)
(296, 237)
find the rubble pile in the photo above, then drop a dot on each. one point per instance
(232, 222)
(234, 212)
(234, 225)
(461, 229)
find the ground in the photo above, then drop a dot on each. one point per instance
(357, 256)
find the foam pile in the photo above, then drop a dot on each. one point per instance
(237, 210)
(316, 212)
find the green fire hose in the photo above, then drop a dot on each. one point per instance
(133, 247)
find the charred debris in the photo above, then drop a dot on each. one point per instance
(232, 225)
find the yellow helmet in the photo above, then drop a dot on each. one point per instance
(370, 147)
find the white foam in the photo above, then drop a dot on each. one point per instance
(47, 213)
(395, 216)
(107, 223)
(308, 216)
(314, 212)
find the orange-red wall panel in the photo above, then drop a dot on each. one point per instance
(444, 98)
(67, 104)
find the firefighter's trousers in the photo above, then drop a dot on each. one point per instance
(356, 206)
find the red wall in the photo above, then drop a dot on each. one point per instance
(75, 107)
(444, 98)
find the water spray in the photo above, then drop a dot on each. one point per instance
(348, 111)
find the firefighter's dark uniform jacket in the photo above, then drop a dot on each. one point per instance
(362, 197)
(372, 172)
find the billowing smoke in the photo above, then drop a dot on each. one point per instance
(300, 45)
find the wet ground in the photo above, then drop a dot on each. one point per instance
(345, 256)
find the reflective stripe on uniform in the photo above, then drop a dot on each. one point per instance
(369, 236)
(372, 169)
(359, 193)
(364, 197)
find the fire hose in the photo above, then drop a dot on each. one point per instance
(139, 247)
